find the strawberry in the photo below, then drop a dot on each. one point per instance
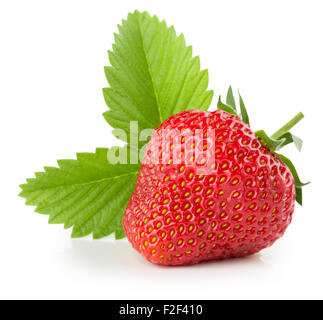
(209, 188)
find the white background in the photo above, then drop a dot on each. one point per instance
(52, 55)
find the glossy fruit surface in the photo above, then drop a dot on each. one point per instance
(207, 189)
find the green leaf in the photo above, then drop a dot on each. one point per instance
(89, 194)
(298, 183)
(152, 75)
(230, 99)
(225, 107)
(243, 109)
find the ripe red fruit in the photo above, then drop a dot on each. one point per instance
(207, 189)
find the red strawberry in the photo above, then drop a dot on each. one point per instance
(208, 189)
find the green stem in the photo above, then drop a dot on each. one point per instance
(290, 124)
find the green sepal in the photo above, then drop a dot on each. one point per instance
(299, 195)
(277, 144)
(288, 138)
(244, 113)
(230, 106)
(298, 183)
(267, 141)
(225, 107)
(230, 101)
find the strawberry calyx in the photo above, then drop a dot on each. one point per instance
(275, 142)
